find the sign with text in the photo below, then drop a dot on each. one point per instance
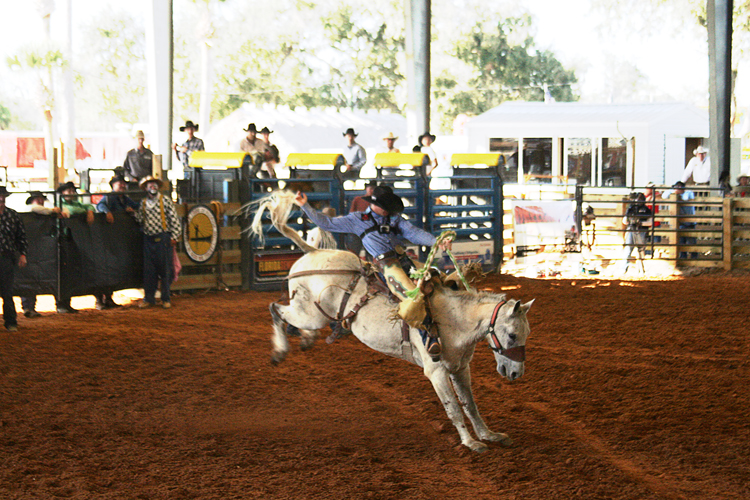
(542, 222)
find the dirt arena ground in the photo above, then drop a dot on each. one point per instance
(633, 390)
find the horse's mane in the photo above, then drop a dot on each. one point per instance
(472, 297)
(279, 204)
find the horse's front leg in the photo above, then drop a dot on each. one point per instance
(462, 385)
(441, 383)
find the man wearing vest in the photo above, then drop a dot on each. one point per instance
(161, 230)
(382, 230)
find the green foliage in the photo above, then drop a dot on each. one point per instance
(500, 71)
(347, 60)
(111, 83)
(5, 117)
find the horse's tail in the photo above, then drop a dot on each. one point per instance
(279, 205)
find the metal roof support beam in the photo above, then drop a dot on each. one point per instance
(418, 22)
(719, 86)
(159, 57)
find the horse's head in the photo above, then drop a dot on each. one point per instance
(506, 334)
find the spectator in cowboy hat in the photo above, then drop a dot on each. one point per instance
(425, 142)
(192, 144)
(161, 229)
(699, 167)
(743, 186)
(685, 210)
(71, 206)
(355, 156)
(139, 161)
(272, 154)
(36, 202)
(390, 141)
(13, 246)
(116, 201)
(257, 147)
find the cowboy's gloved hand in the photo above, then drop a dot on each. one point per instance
(110, 217)
(300, 198)
(90, 217)
(446, 245)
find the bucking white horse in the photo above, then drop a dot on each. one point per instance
(329, 284)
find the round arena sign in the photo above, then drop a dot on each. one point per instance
(201, 235)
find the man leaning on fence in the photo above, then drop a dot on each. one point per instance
(161, 230)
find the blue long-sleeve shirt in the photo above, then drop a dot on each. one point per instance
(113, 202)
(374, 242)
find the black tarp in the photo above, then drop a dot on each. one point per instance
(92, 258)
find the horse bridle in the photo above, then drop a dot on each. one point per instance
(518, 353)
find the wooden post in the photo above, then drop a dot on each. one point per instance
(727, 221)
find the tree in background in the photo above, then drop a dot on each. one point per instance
(111, 85)
(499, 69)
(349, 59)
(44, 60)
(5, 117)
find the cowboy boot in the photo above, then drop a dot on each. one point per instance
(431, 343)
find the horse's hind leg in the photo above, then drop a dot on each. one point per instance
(308, 339)
(462, 385)
(442, 385)
(279, 338)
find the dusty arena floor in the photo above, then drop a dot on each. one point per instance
(633, 390)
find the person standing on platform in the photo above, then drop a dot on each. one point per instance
(272, 153)
(139, 161)
(192, 144)
(355, 156)
(699, 167)
(390, 143)
(425, 146)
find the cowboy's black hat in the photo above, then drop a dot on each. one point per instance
(66, 185)
(350, 131)
(250, 128)
(4, 191)
(266, 130)
(34, 194)
(385, 198)
(117, 178)
(427, 134)
(189, 124)
(678, 185)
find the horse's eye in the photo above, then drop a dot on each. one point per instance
(512, 337)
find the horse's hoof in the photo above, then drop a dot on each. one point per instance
(506, 441)
(277, 358)
(478, 446)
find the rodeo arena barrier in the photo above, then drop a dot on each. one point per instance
(494, 223)
(710, 230)
(68, 257)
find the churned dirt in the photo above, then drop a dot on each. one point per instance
(633, 390)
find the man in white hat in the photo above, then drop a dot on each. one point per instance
(161, 230)
(139, 161)
(390, 143)
(699, 167)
